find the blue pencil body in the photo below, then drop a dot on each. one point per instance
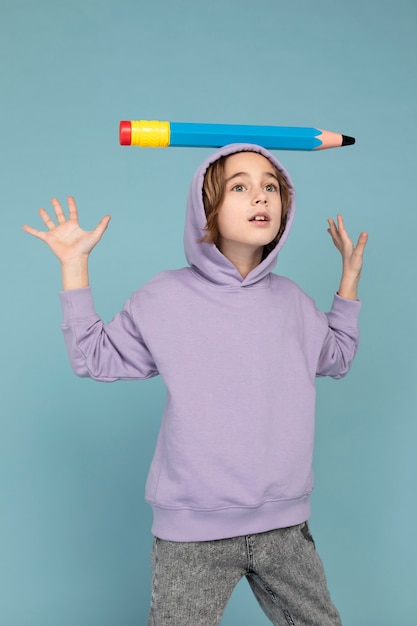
(217, 135)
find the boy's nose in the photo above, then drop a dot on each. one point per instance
(260, 197)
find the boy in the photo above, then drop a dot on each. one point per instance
(238, 348)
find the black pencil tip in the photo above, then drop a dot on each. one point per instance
(347, 141)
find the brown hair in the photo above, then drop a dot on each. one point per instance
(213, 195)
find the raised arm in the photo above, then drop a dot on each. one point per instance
(352, 257)
(70, 244)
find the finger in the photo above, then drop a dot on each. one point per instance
(49, 223)
(333, 232)
(341, 227)
(340, 221)
(101, 227)
(58, 211)
(72, 208)
(362, 241)
(60, 215)
(332, 226)
(34, 231)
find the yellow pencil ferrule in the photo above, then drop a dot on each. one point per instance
(150, 134)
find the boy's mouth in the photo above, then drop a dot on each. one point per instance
(260, 217)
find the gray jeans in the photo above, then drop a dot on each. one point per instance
(192, 582)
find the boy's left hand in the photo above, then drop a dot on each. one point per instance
(352, 256)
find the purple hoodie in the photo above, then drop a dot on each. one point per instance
(239, 359)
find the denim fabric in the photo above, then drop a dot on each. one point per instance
(192, 582)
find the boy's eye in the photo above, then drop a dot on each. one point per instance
(238, 188)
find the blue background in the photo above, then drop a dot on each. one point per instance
(74, 454)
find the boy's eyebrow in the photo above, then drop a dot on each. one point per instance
(237, 174)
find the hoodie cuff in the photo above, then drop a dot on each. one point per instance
(77, 304)
(345, 309)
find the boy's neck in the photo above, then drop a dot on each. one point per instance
(244, 259)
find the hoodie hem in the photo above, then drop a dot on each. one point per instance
(186, 525)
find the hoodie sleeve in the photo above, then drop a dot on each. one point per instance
(104, 352)
(342, 339)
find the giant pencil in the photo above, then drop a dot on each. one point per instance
(157, 134)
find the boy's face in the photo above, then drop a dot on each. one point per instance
(250, 214)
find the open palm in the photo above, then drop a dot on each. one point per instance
(67, 240)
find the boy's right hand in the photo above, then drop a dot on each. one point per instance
(66, 239)
(70, 244)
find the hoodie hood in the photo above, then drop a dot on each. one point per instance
(206, 258)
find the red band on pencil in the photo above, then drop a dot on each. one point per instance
(125, 133)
